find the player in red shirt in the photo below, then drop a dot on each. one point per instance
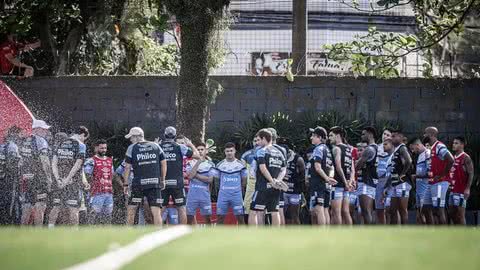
(9, 50)
(461, 177)
(441, 163)
(99, 170)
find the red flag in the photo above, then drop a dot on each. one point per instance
(13, 112)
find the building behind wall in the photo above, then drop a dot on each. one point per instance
(260, 39)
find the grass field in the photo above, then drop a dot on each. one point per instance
(230, 248)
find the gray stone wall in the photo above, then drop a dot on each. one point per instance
(451, 105)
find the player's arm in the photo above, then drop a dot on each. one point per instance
(337, 156)
(56, 175)
(195, 153)
(320, 171)
(16, 62)
(118, 178)
(88, 169)
(126, 173)
(406, 161)
(84, 180)
(193, 171)
(352, 173)
(366, 154)
(76, 167)
(265, 172)
(205, 178)
(32, 46)
(163, 167)
(45, 161)
(164, 172)
(282, 173)
(470, 170)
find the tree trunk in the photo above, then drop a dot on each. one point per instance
(192, 93)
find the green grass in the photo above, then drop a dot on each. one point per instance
(302, 248)
(29, 248)
(313, 248)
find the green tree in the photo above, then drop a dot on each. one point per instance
(200, 23)
(378, 54)
(103, 37)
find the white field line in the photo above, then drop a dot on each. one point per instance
(117, 258)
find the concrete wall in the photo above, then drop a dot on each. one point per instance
(451, 105)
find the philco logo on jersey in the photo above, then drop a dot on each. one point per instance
(170, 156)
(65, 152)
(275, 162)
(146, 156)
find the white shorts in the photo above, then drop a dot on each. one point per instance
(365, 190)
(436, 194)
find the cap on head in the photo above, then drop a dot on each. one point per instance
(319, 131)
(135, 131)
(170, 132)
(40, 124)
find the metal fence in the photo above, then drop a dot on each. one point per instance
(260, 39)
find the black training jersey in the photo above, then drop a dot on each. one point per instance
(346, 163)
(145, 158)
(398, 167)
(174, 154)
(31, 149)
(323, 155)
(274, 160)
(67, 153)
(369, 171)
(281, 149)
(292, 177)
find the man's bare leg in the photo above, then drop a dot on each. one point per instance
(276, 219)
(182, 214)
(157, 215)
(40, 208)
(131, 211)
(26, 213)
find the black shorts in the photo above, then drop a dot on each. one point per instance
(265, 200)
(327, 198)
(153, 195)
(319, 196)
(70, 196)
(281, 201)
(36, 194)
(178, 196)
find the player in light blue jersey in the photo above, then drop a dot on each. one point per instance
(233, 178)
(421, 180)
(248, 159)
(201, 174)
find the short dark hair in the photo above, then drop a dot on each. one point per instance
(100, 141)
(201, 144)
(320, 132)
(229, 145)
(282, 141)
(82, 130)
(372, 131)
(338, 131)
(460, 139)
(398, 131)
(264, 134)
(415, 140)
